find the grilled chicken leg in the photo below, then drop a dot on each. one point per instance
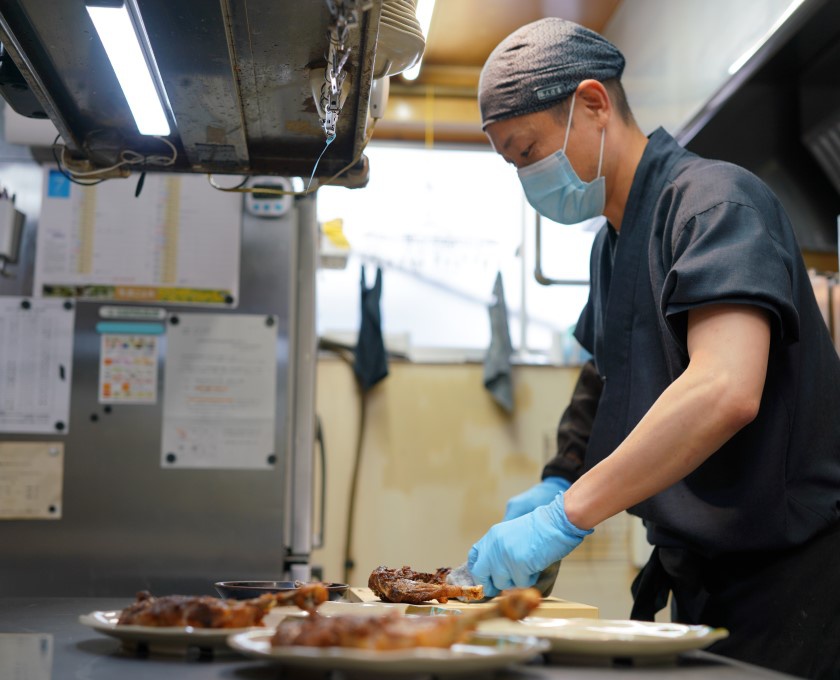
(394, 631)
(416, 587)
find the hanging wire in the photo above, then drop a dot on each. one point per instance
(309, 190)
(318, 160)
(63, 172)
(128, 157)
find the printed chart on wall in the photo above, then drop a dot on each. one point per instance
(36, 359)
(128, 367)
(32, 480)
(219, 394)
(178, 242)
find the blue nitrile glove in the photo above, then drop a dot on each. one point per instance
(539, 494)
(512, 554)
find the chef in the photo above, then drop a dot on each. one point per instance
(712, 407)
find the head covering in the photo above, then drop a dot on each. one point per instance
(541, 64)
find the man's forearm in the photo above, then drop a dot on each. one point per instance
(718, 394)
(685, 426)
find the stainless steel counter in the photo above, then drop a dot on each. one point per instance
(63, 649)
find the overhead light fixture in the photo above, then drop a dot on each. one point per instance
(425, 9)
(738, 64)
(124, 38)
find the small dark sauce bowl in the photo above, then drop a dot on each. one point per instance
(245, 590)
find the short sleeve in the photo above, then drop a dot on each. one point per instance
(727, 254)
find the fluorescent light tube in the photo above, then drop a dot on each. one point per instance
(122, 45)
(738, 64)
(425, 9)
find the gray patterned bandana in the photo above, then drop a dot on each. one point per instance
(541, 64)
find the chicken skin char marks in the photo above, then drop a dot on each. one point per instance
(211, 612)
(415, 587)
(395, 631)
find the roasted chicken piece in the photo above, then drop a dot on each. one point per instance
(416, 587)
(212, 612)
(394, 631)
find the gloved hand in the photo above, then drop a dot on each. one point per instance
(539, 494)
(512, 554)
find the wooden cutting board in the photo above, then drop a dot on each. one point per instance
(551, 607)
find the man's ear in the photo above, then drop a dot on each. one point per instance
(593, 95)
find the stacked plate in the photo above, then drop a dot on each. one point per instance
(609, 638)
(401, 42)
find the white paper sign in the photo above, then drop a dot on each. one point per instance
(26, 656)
(31, 480)
(128, 368)
(219, 392)
(178, 241)
(36, 361)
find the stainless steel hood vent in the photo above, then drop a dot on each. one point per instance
(780, 118)
(824, 143)
(820, 96)
(239, 77)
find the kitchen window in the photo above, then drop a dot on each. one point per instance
(441, 223)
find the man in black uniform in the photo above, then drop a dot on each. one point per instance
(712, 407)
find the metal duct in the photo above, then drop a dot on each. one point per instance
(239, 79)
(820, 111)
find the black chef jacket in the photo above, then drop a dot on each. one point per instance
(698, 232)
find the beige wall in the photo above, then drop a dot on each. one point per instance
(439, 462)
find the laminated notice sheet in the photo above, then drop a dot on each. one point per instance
(26, 656)
(178, 242)
(128, 367)
(32, 480)
(219, 395)
(36, 360)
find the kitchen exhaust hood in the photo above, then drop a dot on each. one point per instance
(246, 84)
(779, 116)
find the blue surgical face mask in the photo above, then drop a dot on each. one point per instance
(555, 191)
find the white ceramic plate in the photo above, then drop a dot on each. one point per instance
(604, 637)
(358, 608)
(164, 640)
(481, 653)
